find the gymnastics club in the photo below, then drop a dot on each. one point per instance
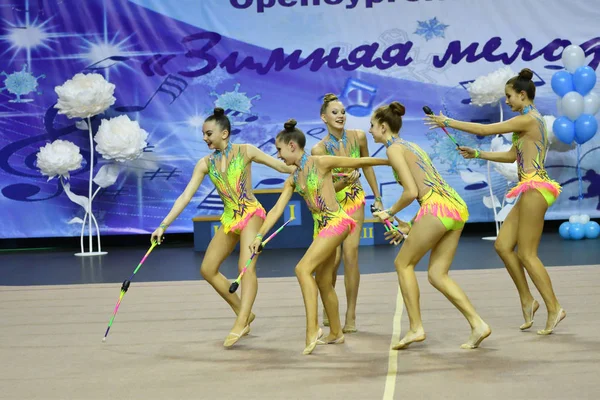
(429, 112)
(234, 286)
(388, 226)
(124, 288)
(386, 223)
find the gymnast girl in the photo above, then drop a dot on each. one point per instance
(350, 194)
(524, 224)
(229, 169)
(313, 181)
(437, 226)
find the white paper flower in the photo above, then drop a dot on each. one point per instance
(554, 143)
(489, 89)
(507, 170)
(120, 139)
(85, 95)
(58, 158)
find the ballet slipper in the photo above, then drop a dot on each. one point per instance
(232, 337)
(349, 329)
(339, 340)
(534, 306)
(559, 317)
(482, 335)
(309, 349)
(405, 342)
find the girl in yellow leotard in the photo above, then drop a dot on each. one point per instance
(524, 224)
(349, 193)
(228, 167)
(313, 181)
(437, 226)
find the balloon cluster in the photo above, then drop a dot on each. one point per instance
(576, 105)
(579, 227)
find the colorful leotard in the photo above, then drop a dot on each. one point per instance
(329, 217)
(531, 154)
(232, 185)
(351, 197)
(435, 196)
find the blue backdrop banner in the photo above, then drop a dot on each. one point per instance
(266, 61)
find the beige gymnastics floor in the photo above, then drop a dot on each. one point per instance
(166, 343)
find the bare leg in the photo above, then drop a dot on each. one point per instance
(334, 272)
(330, 300)
(249, 282)
(425, 234)
(351, 270)
(318, 252)
(533, 208)
(219, 248)
(439, 265)
(505, 247)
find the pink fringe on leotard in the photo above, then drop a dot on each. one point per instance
(242, 224)
(529, 184)
(338, 227)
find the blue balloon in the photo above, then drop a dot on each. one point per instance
(564, 129)
(563, 230)
(592, 230)
(562, 83)
(576, 232)
(584, 79)
(585, 128)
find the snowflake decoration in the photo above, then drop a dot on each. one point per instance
(444, 150)
(213, 78)
(21, 83)
(430, 29)
(235, 100)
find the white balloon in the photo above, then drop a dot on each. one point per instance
(572, 105)
(584, 219)
(574, 219)
(591, 103)
(573, 57)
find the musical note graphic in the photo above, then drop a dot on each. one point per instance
(317, 133)
(269, 147)
(148, 149)
(540, 82)
(239, 121)
(211, 202)
(381, 185)
(178, 84)
(92, 67)
(24, 192)
(270, 182)
(159, 173)
(361, 108)
(104, 192)
(158, 66)
(464, 85)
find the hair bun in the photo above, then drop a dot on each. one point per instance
(526, 74)
(329, 97)
(290, 125)
(397, 108)
(218, 112)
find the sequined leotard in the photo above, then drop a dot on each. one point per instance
(531, 154)
(234, 187)
(351, 197)
(435, 196)
(329, 217)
